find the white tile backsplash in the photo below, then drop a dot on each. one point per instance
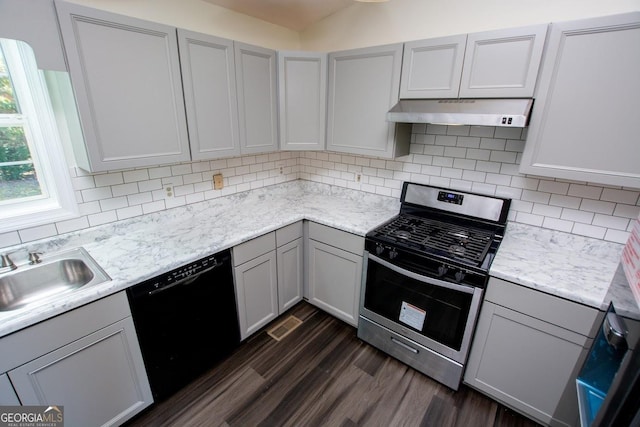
(473, 158)
(485, 160)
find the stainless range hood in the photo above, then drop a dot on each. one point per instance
(480, 112)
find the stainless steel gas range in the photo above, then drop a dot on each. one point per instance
(425, 272)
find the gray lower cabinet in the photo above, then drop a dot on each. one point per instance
(87, 360)
(528, 349)
(268, 276)
(125, 74)
(334, 271)
(584, 121)
(363, 86)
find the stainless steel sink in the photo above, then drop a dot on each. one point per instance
(60, 273)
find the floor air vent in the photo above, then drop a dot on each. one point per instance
(284, 328)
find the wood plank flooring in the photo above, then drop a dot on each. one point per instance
(321, 375)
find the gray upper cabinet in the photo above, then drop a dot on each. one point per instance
(34, 21)
(126, 78)
(584, 122)
(491, 64)
(302, 86)
(363, 85)
(432, 68)
(502, 63)
(257, 98)
(209, 81)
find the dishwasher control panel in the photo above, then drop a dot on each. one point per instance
(182, 274)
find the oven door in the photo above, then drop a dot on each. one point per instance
(437, 314)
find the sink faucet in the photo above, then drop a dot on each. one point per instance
(8, 264)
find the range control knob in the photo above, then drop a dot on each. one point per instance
(379, 249)
(393, 254)
(442, 270)
(459, 275)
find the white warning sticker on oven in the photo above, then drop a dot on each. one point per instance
(412, 315)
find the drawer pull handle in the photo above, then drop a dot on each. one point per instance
(403, 345)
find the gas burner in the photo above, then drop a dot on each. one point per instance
(457, 250)
(403, 234)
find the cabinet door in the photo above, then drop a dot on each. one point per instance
(302, 85)
(7, 394)
(126, 78)
(257, 102)
(527, 364)
(209, 81)
(584, 121)
(363, 86)
(334, 281)
(99, 379)
(432, 68)
(257, 293)
(502, 63)
(290, 278)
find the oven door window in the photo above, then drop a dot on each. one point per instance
(433, 311)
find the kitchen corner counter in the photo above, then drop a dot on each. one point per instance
(576, 268)
(134, 250)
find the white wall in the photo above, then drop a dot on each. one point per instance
(369, 24)
(198, 15)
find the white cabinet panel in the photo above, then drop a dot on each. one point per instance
(257, 98)
(432, 68)
(99, 379)
(126, 78)
(302, 85)
(584, 121)
(502, 63)
(209, 80)
(363, 86)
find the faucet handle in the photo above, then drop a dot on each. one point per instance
(34, 258)
(7, 264)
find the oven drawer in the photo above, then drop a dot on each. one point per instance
(413, 354)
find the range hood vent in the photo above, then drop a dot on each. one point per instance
(479, 112)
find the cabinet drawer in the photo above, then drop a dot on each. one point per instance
(49, 335)
(566, 314)
(288, 233)
(254, 248)
(337, 238)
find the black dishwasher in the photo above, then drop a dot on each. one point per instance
(186, 321)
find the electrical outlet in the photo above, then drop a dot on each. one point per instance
(218, 181)
(280, 170)
(358, 177)
(169, 190)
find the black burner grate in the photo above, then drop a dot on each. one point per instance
(465, 244)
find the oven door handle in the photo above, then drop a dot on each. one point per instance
(425, 279)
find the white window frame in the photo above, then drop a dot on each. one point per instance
(58, 201)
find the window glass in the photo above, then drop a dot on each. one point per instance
(34, 188)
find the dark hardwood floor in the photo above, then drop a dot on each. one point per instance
(321, 375)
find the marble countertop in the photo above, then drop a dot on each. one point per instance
(131, 251)
(576, 268)
(135, 250)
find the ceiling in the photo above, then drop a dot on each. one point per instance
(294, 14)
